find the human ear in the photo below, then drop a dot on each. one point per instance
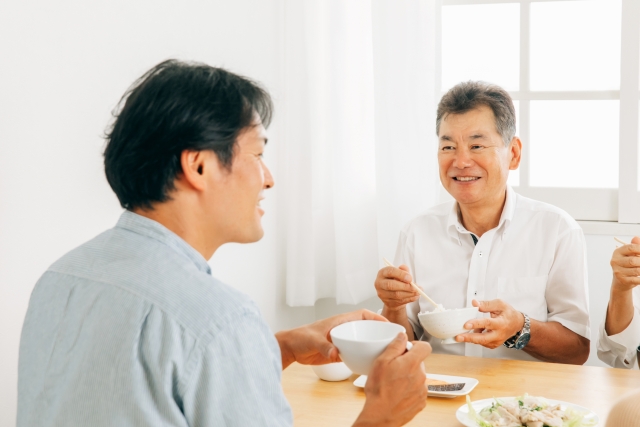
(515, 149)
(193, 165)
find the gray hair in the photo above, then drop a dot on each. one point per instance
(467, 96)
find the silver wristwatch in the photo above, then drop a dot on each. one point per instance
(521, 338)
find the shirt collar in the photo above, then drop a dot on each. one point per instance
(455, 227)
(147, 227)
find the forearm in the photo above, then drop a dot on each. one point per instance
(552, 342)
(287, 356)
(619, 312)
(399, 316)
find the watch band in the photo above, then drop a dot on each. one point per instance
(524, 333)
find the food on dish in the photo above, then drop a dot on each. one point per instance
(527, 411)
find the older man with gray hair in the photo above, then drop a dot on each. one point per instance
(518, 260)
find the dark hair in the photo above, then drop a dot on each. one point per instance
(466, 96)
(176, 106)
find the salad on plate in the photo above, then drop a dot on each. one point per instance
(528, 411)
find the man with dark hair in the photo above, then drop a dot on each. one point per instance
(519, 260)
(131, 329)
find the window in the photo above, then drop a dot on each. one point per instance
(571, 67)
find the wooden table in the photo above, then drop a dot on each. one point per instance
(320, 403)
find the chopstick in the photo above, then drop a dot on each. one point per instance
(620, 241)
(414, 285)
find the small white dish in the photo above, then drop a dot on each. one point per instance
(462, 414)
(360, 342)
(469, 384)
(332, 371)
(447, 324)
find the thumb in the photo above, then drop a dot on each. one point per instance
(330, 351)
(492, 306)
(635, 240)
(396, 348)
(404, 268)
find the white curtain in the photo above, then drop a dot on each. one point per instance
(359, 157)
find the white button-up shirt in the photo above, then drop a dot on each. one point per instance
(535, 260)
(620, 350)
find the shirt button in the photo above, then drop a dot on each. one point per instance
(480, 254)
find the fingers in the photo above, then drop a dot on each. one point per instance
(395, 273)
(369, 315)
(493, 306)
(487, 339)
(328, 350)
(393, 286)
(483, 323)
(629, 250)
(394, 293)
(631, 261)
(420, 351)
(396, 348)
(397, 298)
(635, 240)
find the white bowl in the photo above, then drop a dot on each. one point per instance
(332, 371)
(360, 342)
(447, 324)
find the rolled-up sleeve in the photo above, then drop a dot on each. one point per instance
(236, 379)
(621, 350)
(567, 292)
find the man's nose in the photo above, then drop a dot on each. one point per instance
(268, 178)
(462, 159)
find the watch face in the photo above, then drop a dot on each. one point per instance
(522, 341)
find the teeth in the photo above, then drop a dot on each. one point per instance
(466, 178)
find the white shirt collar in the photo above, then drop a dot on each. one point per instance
(455, 227)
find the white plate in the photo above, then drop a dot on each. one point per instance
(462, 414)
(469, 384)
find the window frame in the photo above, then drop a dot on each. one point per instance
(620, 204)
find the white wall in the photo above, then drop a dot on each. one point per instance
(63, 67)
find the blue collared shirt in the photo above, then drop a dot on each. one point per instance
(131, 329)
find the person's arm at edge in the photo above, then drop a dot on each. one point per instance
(625, 264)
(619, 337)
(619, 350)
(620, 303)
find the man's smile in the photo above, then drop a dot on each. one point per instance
(466, 178)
